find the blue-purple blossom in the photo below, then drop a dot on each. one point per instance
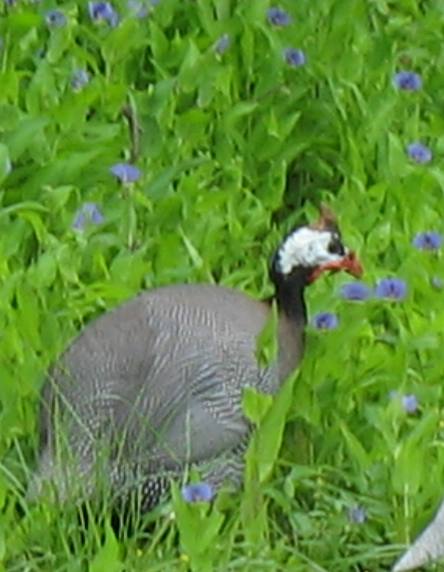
(391, 288)
(278, 17)
(55, 19)
(419, 153)
(356, 291)
(125, 172)
(437, 282)
(88, 213)
(222, 44)
(103, 11)
(294, 57)
(407, 81)
(199, 492)
(410, 403)
(138, 8)
(357, 514)
(325, 321)
(79, 79)
(428, 240)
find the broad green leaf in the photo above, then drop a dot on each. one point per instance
(108, 556)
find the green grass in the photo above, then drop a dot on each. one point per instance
(234, 149)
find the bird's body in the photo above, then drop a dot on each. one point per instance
(164, 372)
(156, 385)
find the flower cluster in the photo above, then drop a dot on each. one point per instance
(278, 17)
(138, 9)
(198, 492)
(391, 289)
(356, 291)
(411, 81)
(222, 44)
(428, 240)
(386, 288)
(125, 172)
(88, 213)
(103, 12)
(294, 57)
(79, 79)
(325, 321)
(55, 19)
(408, 401)
(357, 514)
(407, 81)
(419, 153)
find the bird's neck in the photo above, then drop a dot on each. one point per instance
(290, 298)
(292, 319)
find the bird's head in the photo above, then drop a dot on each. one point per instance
(309, 251)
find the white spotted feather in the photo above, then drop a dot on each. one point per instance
(308, 248)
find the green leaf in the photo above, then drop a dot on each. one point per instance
(357, 451)
(5, 162)
(199, 526)
(267, 340)
(108, 556)
(28, 314)
(255, 404)
(267, 439)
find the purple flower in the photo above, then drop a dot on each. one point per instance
(55, 19)
(356, 291)
(357, 514)
(139, 9)
(407, 81)
(391, 288)
(325, 321)
(222, 44)
(428, 240)
(294, 57)
(199, 492)
(88, 213)
(437, 282)
(419, 153)
(79, 79)
(125, 172)
(278, 17)
(103, 11)
(410, 403)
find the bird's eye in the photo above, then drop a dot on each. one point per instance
(335, 247)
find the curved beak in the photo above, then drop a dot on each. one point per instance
(350, 263)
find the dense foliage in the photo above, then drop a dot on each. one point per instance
(147, 143)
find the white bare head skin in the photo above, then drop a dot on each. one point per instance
(309, 247)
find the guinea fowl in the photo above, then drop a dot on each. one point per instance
(155, 386)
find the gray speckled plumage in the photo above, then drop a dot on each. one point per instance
(157, 383)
